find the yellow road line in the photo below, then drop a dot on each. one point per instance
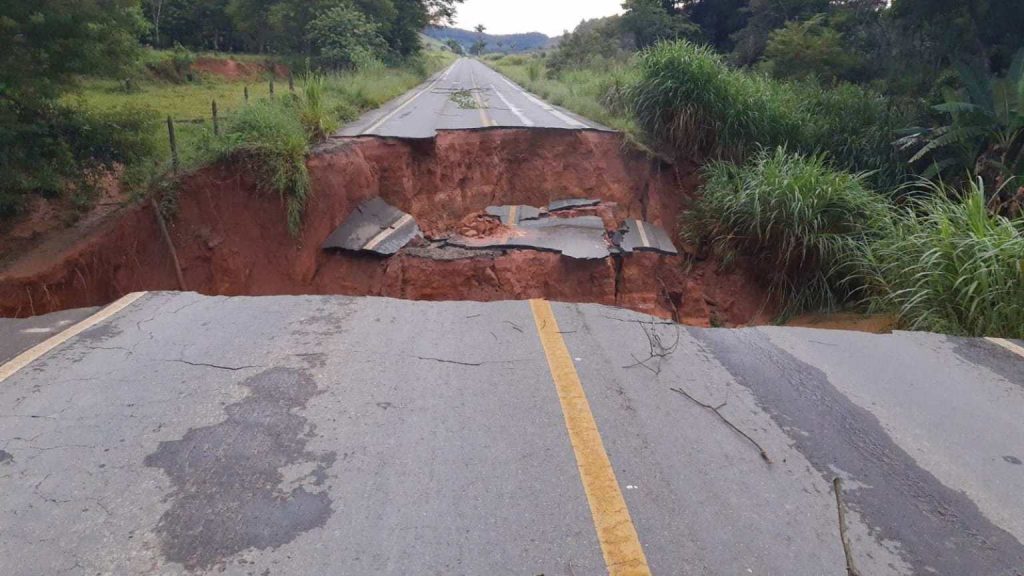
(620, 544)
(485, 119)
(1018, 350)
(32, 354)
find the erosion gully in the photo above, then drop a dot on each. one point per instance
(232, 240)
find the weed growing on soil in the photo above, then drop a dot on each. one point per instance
(949, 266)
(805, 221)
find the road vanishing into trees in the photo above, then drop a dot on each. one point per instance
(465, 96)
(174, 433)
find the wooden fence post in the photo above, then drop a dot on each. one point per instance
(291, 82)
(246, 94)
(271, 85)
(174, 145)
(216, 123)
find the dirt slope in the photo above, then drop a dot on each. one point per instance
(233, 241)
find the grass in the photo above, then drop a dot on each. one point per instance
(949, 266)
(688, 101)
(801, 220)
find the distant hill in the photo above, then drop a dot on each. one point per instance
(500, 43)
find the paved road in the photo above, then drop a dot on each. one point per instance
(336, 435)
(466, 95)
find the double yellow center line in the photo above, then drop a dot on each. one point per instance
(620, 544)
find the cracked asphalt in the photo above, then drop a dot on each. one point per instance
(337, 435)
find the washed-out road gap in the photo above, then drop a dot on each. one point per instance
(174, 433)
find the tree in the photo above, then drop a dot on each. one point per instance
(345, 38)
(480, 45)
(766, 16)
(455, 47)
(808, 49)
(653, 21)
(48, 44)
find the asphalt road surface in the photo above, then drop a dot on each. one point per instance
(337, 435)
(467, 95)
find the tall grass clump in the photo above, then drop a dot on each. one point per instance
(270, 140)
(798, 218)
(688, 101)
(950, 266)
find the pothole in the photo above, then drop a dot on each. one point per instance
(232, 241)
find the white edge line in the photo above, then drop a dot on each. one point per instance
(39, 350)
(545, 106)
(1018, 350)
(519, 114)
(391, 114)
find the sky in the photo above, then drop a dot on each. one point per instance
(552, 17)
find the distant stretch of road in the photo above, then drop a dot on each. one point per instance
(466, 95)
(336, 435)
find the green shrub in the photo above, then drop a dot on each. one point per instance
(803, 221)
(174, 66)
(687, 100)
(950, 266)
(58, 149)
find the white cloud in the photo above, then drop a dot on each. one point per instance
(551, 17)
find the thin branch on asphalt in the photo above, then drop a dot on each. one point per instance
(851, 569)
(718, 412)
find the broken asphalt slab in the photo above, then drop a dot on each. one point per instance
(572, 204)
(644, 236)
(374, 226)
(513, 215)
(582, 238)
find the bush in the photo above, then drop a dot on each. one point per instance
(56, 150)
(804, 221)
(950, 266)
(174, 66)
(688, 101)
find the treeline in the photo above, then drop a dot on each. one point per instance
(902, 47)
(334, 33)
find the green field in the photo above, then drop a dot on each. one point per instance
(190, 103)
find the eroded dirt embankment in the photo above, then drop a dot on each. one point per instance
(233, 241)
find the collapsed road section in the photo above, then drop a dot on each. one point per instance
(487, 206)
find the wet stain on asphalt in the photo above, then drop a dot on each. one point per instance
(941, 531)
(981, 352)
(6, 457)
(229, 491)
(1012, 460)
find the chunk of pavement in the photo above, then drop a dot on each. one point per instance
(640, 235)
(572, 203)
(374, 226)
(513, 215)
(581, 238)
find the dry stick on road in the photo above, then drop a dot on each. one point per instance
(658, 350)
(717, 411)
(851, 570)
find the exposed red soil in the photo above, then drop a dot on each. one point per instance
(233, 241)
(236, 70)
